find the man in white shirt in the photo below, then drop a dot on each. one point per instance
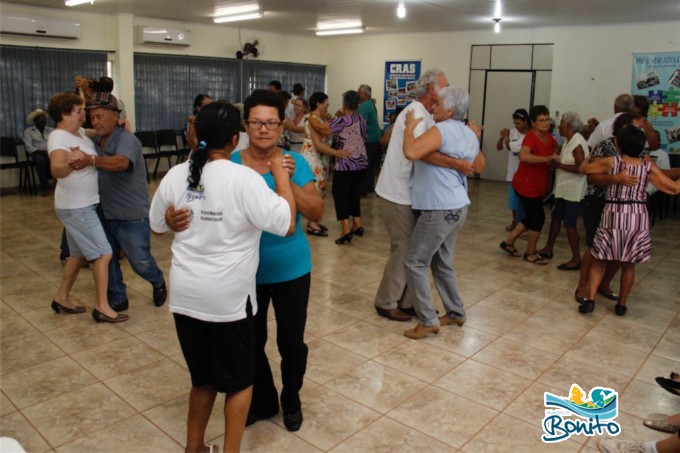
(394, 299)
(35, 144)
(623, 103)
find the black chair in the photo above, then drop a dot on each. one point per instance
(9, 160)
(184, 152)
(149, 148)
(167, 147)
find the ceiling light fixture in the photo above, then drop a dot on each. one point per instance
(401, 10)
(335, 24)
(78, 2)
(497, 27)
(497, 11)
(340, 31)
(237, 17)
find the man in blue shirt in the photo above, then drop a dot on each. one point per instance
(124, 196)
(440, 197)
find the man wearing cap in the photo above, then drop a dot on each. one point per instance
(35, 144)
(124, 200)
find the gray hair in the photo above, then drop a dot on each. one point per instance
(624, 103)
(573, 120)
(455, 97)
(366, 89)
(428, 79)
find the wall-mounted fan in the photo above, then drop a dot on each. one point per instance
(253, 47)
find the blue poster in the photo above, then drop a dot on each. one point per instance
(657, 76)
(400, 85)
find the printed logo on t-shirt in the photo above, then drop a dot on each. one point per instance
(196, 194)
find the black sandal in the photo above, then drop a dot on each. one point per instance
(320, 232)
(509, 249)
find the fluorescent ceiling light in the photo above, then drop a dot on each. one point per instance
(78, 2)
(248, 16)
(497, 12)
(340, 31)
(334, 25)
(401, 10)
(240, 9)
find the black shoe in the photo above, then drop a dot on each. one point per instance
(159, 295)
(587, 306)
(620, 310)
(293, 421)
(344, 239)
(358, 232)
(409, 311)
(121, 306)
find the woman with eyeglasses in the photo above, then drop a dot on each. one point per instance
(538, 153)
(317, 151)
(214, 261)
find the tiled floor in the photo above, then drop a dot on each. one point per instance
(69, 384)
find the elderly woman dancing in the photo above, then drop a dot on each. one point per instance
(75, 199)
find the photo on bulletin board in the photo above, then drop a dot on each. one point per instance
(656, 75)
(400, 82)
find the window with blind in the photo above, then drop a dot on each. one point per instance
(29, 76)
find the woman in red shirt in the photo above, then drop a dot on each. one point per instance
(539, 151)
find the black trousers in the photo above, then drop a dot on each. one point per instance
(535, 215)
(367, 184)
(346, 193)
(42, 167)
(289, 300)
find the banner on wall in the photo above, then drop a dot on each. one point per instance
(400, 85)
(657, 76)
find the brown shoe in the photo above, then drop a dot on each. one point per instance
(421, 331)
(446, 321)
(393, 314)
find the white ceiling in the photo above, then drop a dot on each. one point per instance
(379, 16)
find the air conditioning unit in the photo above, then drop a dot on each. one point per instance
(49, 27)
(164, 36)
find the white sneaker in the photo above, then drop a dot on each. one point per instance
(613, 445)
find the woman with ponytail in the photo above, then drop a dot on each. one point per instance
(214, 261)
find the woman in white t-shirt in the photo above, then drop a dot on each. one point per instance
(570, 187)
(214, 261)
(511, 140)
(76, 197)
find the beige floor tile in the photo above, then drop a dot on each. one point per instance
(480, 383)
(534, 332)
(641, 399)
(374, 385)
(152, 384)
(45, 320)
(668, 347)
(465, 341)
(6, 406)
(44, 381)
(327, 361)
(14, 425)
(25, 352)
(365, 339)
(442, 415)
(567, 371)
(73, 415)
(350, 303)
(41, 299)
(492, 320)
(117, 357)
(609, 356)
(133, 434)
(162, 339)
(171, 418)
(637, 338)
(529, 406)
(516, 358)
(633, 429)
(420, 360)
(657, 366)
(145, 316)
(331, 418)
(270, 437)
(78, 338)
(322, 321)
(648, 316)
(564, 313)
(509, 301)
(388, 436)
(508, 434)
(15, 326)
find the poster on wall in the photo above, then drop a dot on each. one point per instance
(657, 76)
(400, 85)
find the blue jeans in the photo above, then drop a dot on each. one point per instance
(432, 245)
(134, 237)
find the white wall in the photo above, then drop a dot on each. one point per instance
(591, 65)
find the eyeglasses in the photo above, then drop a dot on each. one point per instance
(257, 124)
